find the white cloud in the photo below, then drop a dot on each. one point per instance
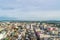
(29, 9)
(18, 0)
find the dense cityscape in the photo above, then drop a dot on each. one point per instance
(29, 31)
(29, 19)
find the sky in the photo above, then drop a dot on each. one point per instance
(30, 9)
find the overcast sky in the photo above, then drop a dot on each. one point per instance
(31, 9)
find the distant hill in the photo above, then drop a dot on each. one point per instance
(4, 18)
(51, 21)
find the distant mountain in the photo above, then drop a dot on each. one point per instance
(51, 21)
(5, 18)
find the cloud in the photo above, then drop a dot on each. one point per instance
(18, 0)
(30, 9)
